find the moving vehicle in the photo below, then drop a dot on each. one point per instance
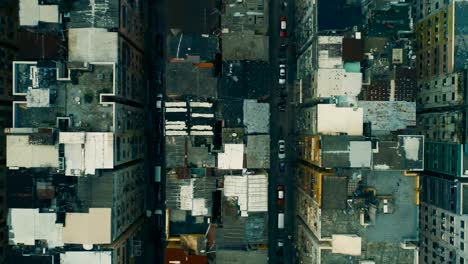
(283, 29)
(159, 102)
(282, 167)
(281, 149)
(280, 220)
(282, 105)
(280, 195)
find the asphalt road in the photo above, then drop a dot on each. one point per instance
(154, 65)
(281, 127)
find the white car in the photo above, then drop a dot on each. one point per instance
(159, 102)
(281, 149)
(282, 74)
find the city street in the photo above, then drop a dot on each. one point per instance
(281, 128)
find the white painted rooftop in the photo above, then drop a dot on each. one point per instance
(91, 257)
(28, 225)
(251, 192)
(87, 151)
(92, 45)
(232, 158)
(89, 228)
(332, 120)
(335, 82)
(20, 153)
(30, 13)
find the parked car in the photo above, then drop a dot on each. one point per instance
(283, 29)
(279, 247)
(280, 220)
(281, 149)
(280, 195)
(282, 167)
(158, 214)
(282, 74)
(159, 102)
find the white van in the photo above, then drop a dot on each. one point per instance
(157, 173)
(280, 220)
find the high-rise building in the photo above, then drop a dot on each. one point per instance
(440, 32)
(75, 149)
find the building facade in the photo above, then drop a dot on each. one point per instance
(8, 51)
(440, 28)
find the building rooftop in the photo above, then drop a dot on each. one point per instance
(244, 80)
(24, 151)
(86, 152)
(180, 45)
(193, 195)
(256, 117)
(258, 152)
(77, 100)
(176, 149)
(405, 153)
(382, 235)
(232, 158)
(29, 225)
(196, 17)
(36, 259)
(337, 15)
(92, 45)
(334, 192)
(330, 52)
(181, 222)
(345, 151)
(335, 82)
(331, 119)
(31, 13)
(402, 222)
(250, 191)
(249, 15)
(390, 21)
(353, 49)
(388, 116)
(78, 257)
(241, 256)
(94, 14)
(88, 228)
(185, 78)
(245, 45)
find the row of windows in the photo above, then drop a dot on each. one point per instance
(437, 98)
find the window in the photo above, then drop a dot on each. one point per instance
(435, 98)
(462, 224)
(462, 260)
(453, 96)
(462, 246)
(444, 97)
(462, 234)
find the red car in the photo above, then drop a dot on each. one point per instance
(280, 195)
(283, 28)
